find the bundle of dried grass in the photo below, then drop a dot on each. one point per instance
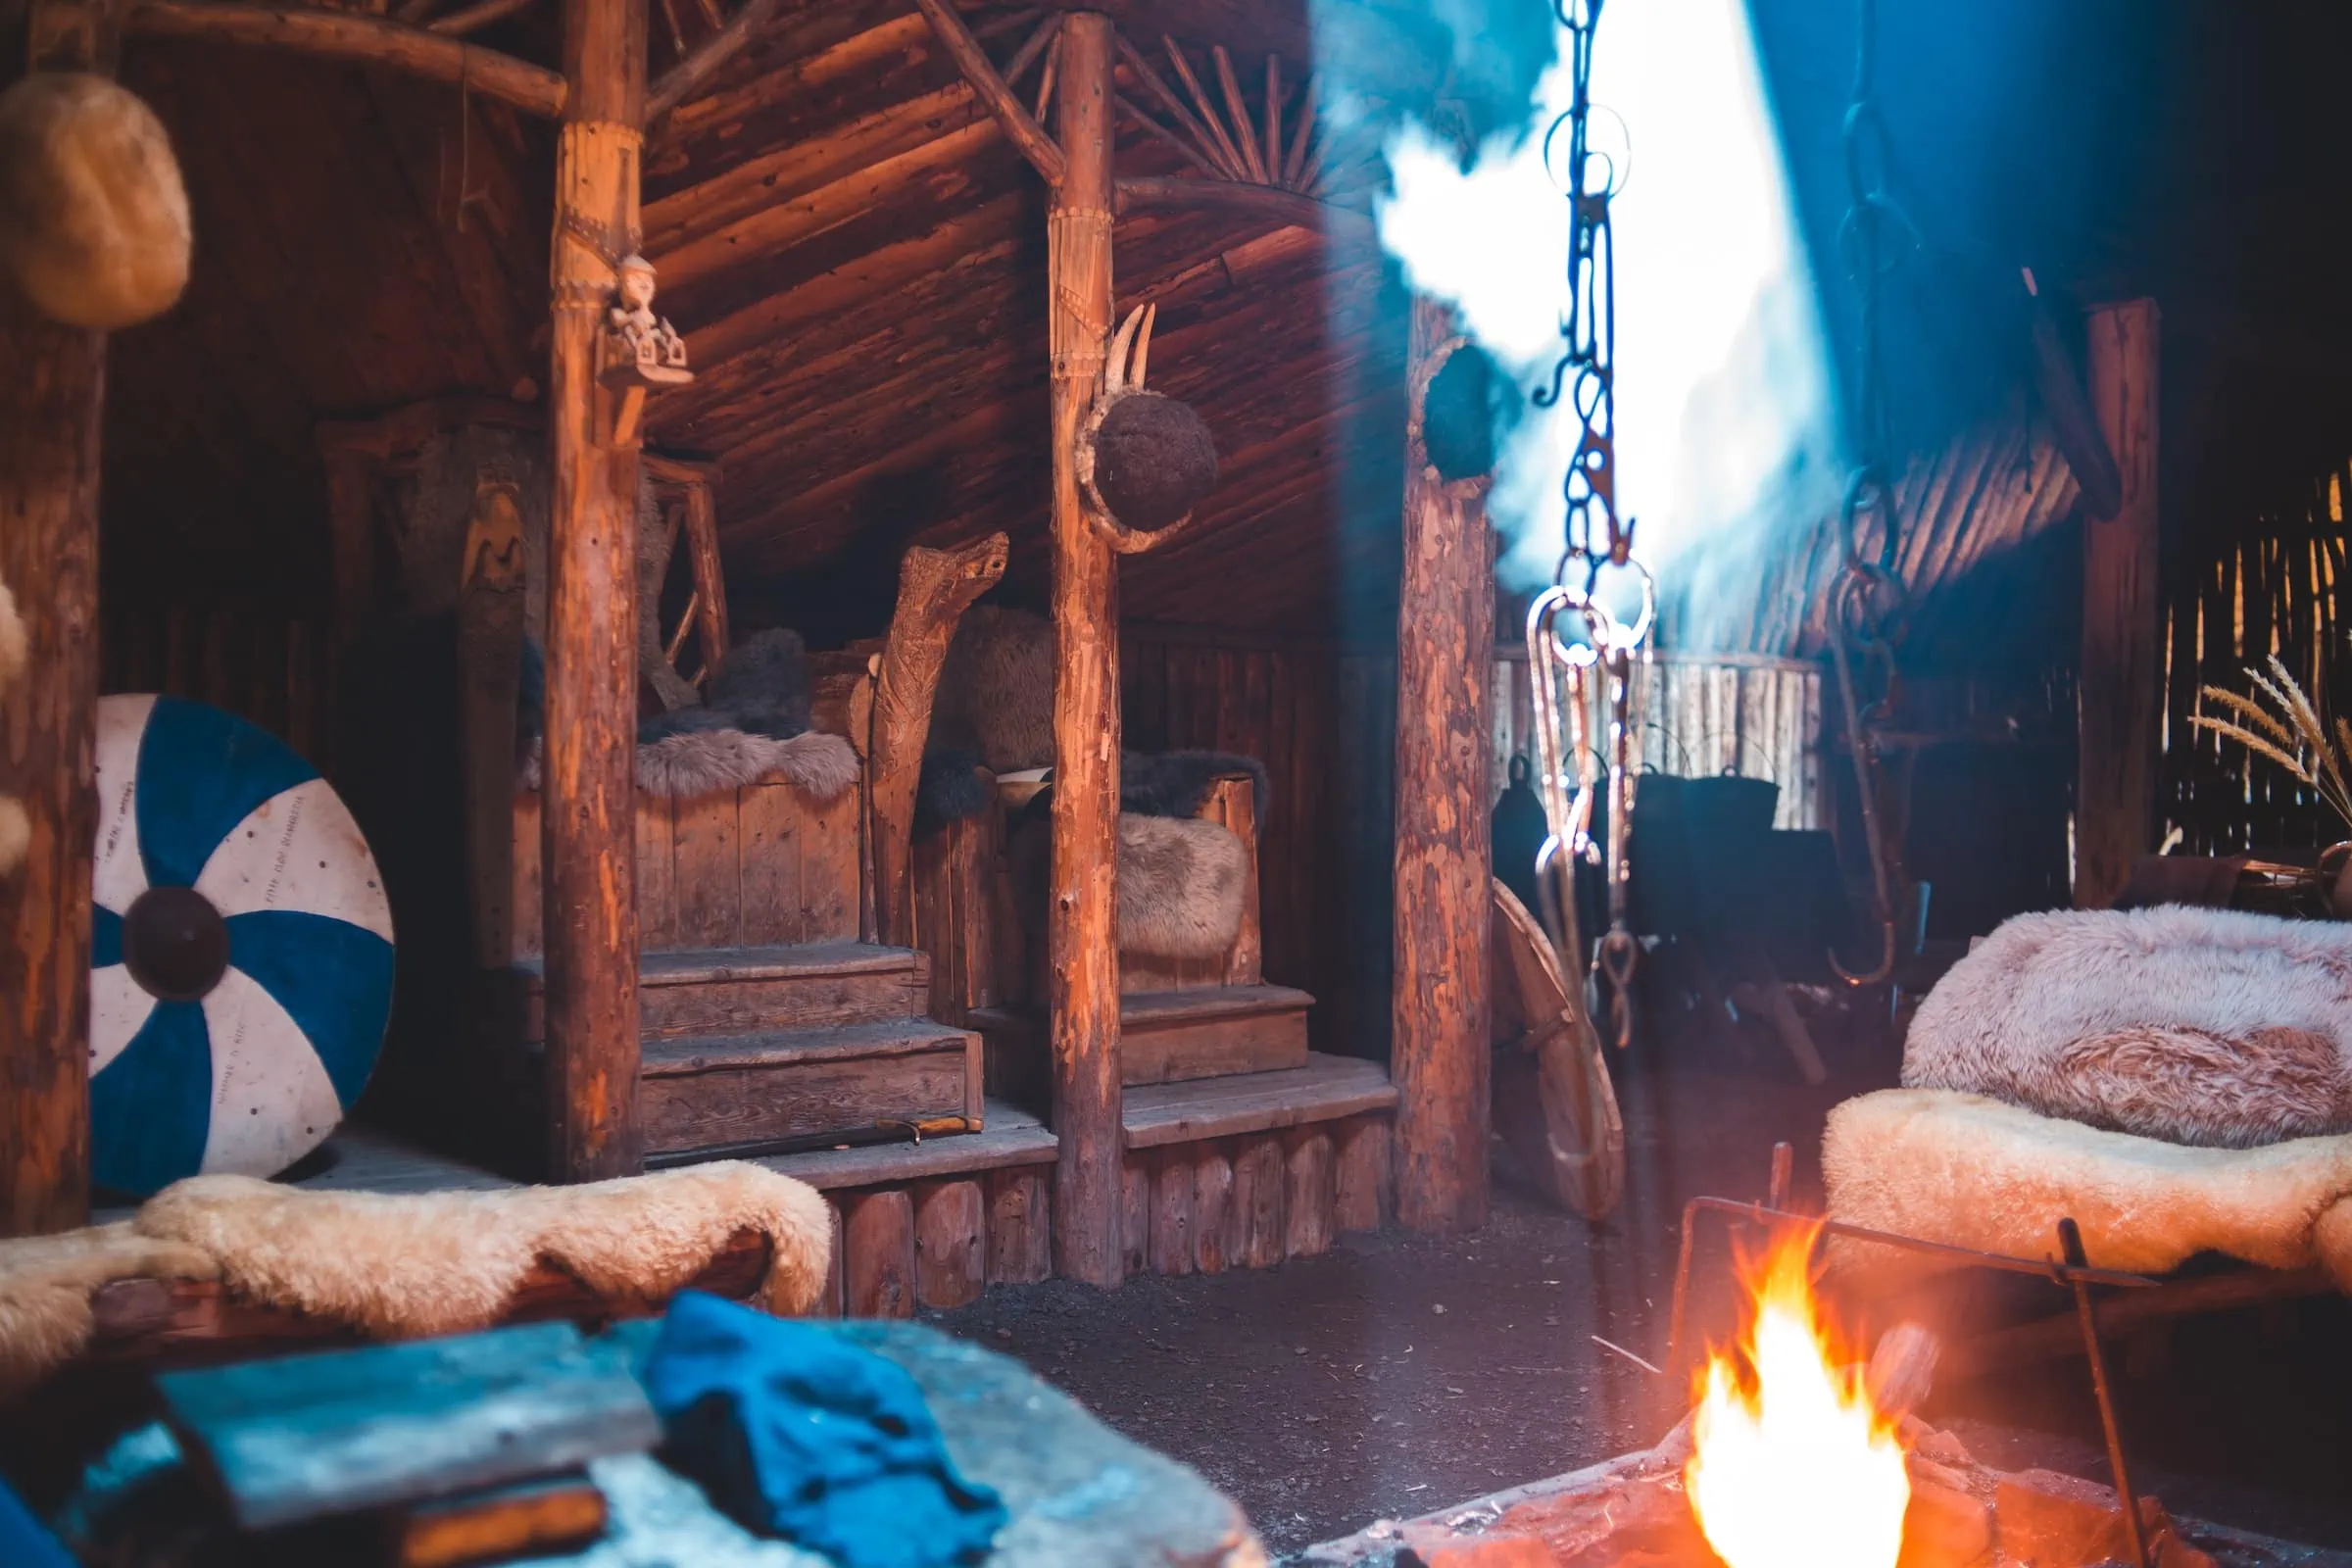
(2295, 736)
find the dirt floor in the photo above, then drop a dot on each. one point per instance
(1402, 1373)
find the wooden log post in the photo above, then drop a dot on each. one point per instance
(51, 399)
(2120, 692)
(935, 588)
(1445, 644)
(589, 811)
(1080, 936)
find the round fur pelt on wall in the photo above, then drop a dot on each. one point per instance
(1154, 461)
(93, 216)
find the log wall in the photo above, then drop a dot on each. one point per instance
(1323, 720)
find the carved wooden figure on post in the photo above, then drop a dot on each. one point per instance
(638, 351)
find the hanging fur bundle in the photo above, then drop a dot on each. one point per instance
(2209, 1027)
(93, 216)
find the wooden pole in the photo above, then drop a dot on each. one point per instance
(1081, 926)
(1445, 646)
(51, 398)
(589, 809)
(2120, 689)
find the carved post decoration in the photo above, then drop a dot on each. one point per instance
(589, 808)
(935, 588)
(490, 634)
(1441, 1056)
(1081, 939)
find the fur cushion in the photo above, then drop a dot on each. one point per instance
(1182, 886)
(93, 216)
(995, 691)
(698, 762)
(2210, 1027)
(1182, 883)
(1975, 1172)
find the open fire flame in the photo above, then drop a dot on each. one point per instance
(1790, 1465)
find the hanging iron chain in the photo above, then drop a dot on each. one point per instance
(1866, 601)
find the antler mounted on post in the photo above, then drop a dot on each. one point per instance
(1144, 460)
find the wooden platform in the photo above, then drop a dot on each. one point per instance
(764, 1049)
(1164, 1037)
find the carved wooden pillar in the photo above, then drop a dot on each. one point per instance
(51, 398)
(589, 809)
(1081, 924)
(2120, 691)
(1444, 649)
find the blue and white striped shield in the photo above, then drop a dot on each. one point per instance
(241, 964)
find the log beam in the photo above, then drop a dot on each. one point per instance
(1020, 127)
(688, 76)
(1082, 941)
(589, 815)
(349, 36)
(1240, 196)
(935, 588)
(2120, 692)
(1445, 644)
(51, 402)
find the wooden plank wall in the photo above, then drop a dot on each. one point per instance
(1323, 720)
(2279, 586)
(261, 664)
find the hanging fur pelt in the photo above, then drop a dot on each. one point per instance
(93, 216)
(754, 725)
(2210, 1027)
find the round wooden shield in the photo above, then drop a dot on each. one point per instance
(1554, 1103)
(241, 952)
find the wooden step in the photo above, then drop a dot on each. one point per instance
(723, 990)
(1164, 1037)
(703, 1097)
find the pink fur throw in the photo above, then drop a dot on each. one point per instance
(2208, 1027)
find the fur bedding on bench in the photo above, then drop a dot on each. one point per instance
(400, 1265)
(1975, 1172)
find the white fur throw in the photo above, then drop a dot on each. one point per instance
(1182, 886)
(699, 761)
(93, 215)
(1975, 1172)
(407, 1264)
(2202, 1026)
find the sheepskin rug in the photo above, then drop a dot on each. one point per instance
(1182, 886)
(2210, 1027)
(93, 215)
(1975, 1172)
(681, 767)
(403, 1265)
(1182, 883)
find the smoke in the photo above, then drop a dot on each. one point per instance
(1724, 417)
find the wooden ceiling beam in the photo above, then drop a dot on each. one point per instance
(346, 35)
(709, 57)
(1020, 127)
(1271, 201)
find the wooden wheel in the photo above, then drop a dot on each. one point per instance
(1554, 1103)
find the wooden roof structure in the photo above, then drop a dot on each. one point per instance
(851, 245)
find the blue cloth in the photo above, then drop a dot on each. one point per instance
(23, 1543)
(795, 1434)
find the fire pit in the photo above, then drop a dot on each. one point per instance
(1795, 1457)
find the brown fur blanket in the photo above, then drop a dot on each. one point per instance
(410, 1264)
(1182, 883)
(2209, 1027)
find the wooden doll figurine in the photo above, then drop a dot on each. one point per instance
(640, 346)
